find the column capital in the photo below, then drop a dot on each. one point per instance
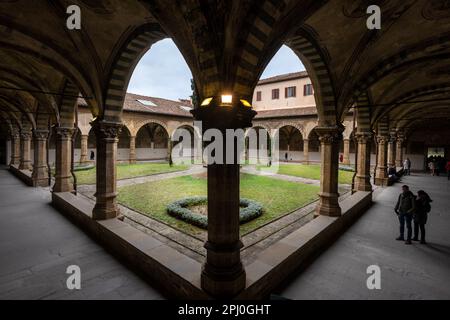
(330, 135)
(25, 135)
(106, 130)
(40, 134)
(363, 137)
(382, 139)
(64, 132)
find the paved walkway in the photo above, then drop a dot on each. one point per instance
(37, 244)
(407, 272)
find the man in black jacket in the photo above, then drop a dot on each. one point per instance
(404, 209)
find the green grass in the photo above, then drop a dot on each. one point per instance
(278, 197)
(311, 172)
(125, 171)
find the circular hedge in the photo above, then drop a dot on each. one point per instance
(180, 209)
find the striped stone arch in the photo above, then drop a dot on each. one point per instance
(417, 93)
(261, 21)
(315, 60)
(184, 124)
(309, 128)
(363, 111)
(139, 125)
(67, 104)
(267, 128)
(298, 126)
(383, 127)
(133, 47)
(417, 53)
(42, 118)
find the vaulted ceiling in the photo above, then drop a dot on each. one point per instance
(403, 68)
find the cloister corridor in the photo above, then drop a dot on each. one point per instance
(34, 261)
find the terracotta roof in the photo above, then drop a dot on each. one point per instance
(284, 77)
(153, 105)
(288, 112)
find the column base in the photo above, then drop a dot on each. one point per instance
(381, 181)
(40, 182)
(26, 166)
(63, 184)
(223, 275)
(104, 211)
(363, 184)
(328, 205)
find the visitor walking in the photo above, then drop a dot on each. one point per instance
(404, 209)
(92, 156)
(421, 215)
(407, 167)
(432, 166)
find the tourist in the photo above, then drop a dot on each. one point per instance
(92, 157)
(404, 209)
(392, 174)
(432, 166)
(421, 215)
(407, 167)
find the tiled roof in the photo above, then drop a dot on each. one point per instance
(284, 77)
(153, 105)
(287, 112)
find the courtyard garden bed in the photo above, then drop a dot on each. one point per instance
(278, 198)
(126, 171)
(194, 210)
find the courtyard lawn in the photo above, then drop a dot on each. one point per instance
(311, 172)
(278, 197)
(125, 171)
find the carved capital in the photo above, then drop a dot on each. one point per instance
(382, 139)
(329, 135)
(25, 135)
(363, 137)
(107, 130)
(64, 132)
(40, 134)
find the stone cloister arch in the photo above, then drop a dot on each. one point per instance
(226, 44)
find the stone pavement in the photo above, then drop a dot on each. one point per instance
(407, 272)
(37, 244)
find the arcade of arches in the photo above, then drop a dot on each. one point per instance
(394, 81)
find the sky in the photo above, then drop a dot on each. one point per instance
(163, 72)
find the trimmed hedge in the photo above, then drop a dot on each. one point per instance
(180, 209)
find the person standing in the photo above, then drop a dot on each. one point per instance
(432, 166)
(407, 167)
(420, 217)
(404, 209)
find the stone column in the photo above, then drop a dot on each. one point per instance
(84, 149)
(107, 134)
(25, 147)
(381, 176)
(362, 182)
(346, 157)
(391, 150)
(399, 151)
(63, 163)
(132, 149)
(330, 138)
(223, 273)
(15, 149)
(40, 165)
(305, 151)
